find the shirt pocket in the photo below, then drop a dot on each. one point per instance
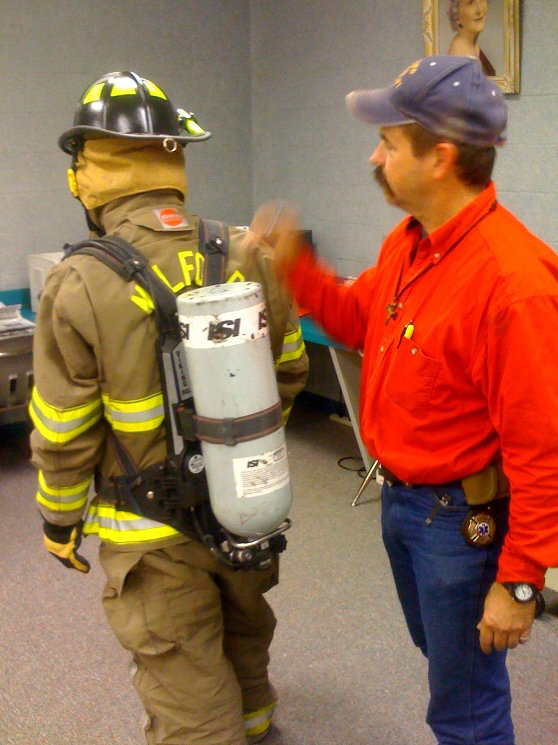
(412, 376)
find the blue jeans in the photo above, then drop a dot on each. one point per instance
(442, 582)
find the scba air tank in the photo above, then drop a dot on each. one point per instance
(238, 411)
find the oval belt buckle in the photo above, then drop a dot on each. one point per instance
(479, 527)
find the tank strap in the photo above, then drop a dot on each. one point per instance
(240, 429)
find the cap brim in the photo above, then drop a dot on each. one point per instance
(375, 107)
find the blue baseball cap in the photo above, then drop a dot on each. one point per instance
(447, 95)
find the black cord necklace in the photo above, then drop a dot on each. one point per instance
(391, 308)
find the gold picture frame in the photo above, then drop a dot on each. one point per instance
(499, 40)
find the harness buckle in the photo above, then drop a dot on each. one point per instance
(133, 266)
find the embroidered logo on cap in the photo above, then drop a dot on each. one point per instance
(410, 70)
(171, 218)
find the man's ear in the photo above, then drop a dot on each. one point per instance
(444, 159)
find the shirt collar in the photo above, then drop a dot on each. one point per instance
(438, 243)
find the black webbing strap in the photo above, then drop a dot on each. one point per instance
(240, 429)
(120, 256)
(214, 245)
(129, 263)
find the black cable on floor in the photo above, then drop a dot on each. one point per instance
(361, 470)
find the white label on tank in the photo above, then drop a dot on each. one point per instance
(261, 474)
(224, 329)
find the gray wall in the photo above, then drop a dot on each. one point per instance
(307, 54)
(268, 77)
(196, 50)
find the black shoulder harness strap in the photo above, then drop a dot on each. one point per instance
(129, 263)
(125, 260)
(214, 245)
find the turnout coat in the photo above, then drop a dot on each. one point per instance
(95, 364)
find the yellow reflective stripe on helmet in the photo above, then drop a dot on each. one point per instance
(293, 347)
(139, 415)
(94, 93)
(62, 498)
(117, 526)
(62, 425)
(192, 127)
(154, 90)
(189, 123)
(123, 87)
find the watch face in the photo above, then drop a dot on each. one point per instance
(524, 592)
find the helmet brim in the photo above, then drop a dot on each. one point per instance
(85, 132)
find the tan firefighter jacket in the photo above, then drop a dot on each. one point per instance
(95, 364)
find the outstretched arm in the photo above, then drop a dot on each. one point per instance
(277, 223)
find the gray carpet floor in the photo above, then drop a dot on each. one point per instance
(344, 666)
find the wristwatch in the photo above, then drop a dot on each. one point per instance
(521, 591)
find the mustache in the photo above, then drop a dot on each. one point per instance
(380, 178)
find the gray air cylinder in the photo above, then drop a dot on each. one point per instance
(238, 410)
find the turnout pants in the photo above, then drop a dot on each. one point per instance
(199, 634)
(442, 583)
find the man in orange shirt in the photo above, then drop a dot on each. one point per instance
(459, 403)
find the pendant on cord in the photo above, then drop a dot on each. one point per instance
(391, 309)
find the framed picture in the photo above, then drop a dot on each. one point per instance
(487, 29)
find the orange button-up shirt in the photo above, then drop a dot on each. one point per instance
(459, 332)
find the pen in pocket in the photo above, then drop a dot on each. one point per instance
(407, 332)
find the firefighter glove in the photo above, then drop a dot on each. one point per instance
(63, 541)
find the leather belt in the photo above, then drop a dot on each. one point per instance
(392, 480)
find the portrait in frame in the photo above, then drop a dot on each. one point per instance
(487, 29)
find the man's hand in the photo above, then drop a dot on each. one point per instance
(277, 224)
(505, 622)
(62, 542)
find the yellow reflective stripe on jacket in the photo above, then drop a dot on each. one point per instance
(117, 526)
(62, 498)
(62, 425)
(139, 415)
(293, 347)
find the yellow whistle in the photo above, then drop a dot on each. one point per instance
(409, 328)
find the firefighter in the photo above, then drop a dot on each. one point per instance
(199, 631)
